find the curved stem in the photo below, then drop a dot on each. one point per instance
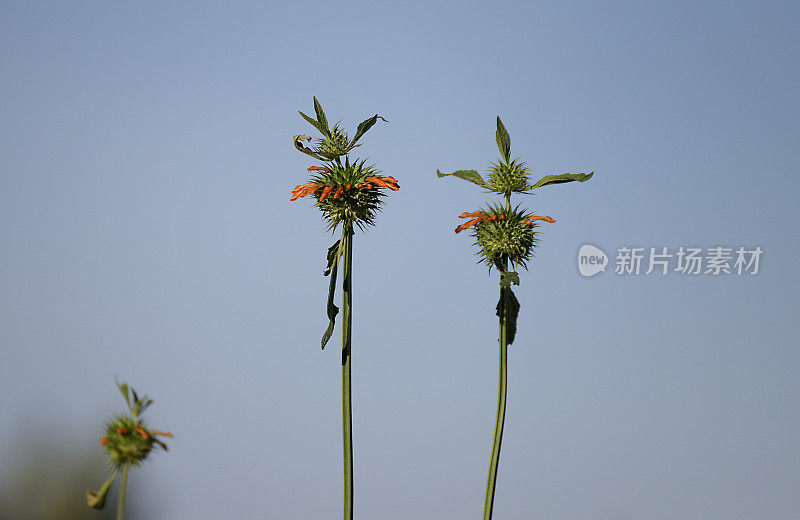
(123, 488)
(347, 415)
(491, 480)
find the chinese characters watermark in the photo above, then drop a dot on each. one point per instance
(690, 261)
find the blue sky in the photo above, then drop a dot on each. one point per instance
(145, 171)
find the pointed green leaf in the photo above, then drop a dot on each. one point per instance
(97, 500)
(364, 126)
(332, 309)
(503, 140)
(508, 278)
(124, 389)
(323, 129)
(467, 175)
(321, 117)
(145, 404)
(308, 151)
(564, 177)
(333, 256)
(513, 313)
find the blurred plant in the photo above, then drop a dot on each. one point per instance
(347, 193)
(128, 443)
(506, 238)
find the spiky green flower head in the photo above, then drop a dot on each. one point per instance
(349, 193)
(506, 178)
(125, 443)
(127, 439)
(505, 234)
(335, 145)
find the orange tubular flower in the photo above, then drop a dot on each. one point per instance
(103, 441)
(318, 169)
(534, 218)
(325, 192)
(338, 192)
(390, 182)
(312, 190)
(385, 182)
(301, 186)
(479, 215)
(308, 188)
(466, 225)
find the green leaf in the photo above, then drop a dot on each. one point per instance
(317, 124)
(513, 313)
(97, 499)
(564, 177)
(333, 256)
(332, 309)
(364, 126)
(503, 140)
(124, 389)
(146, 404)
(508, 278)
(308, 151)
(321, 117)
(467, 175)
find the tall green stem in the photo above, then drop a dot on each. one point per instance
(502, 384)
(123, 488)
(347, 415)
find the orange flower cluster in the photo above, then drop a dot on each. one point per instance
(484, 216)
(311, 188)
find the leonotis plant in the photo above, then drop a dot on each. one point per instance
(347, 192)
(506, 237)
(128, 441)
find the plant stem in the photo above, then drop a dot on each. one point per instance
(491, 480)
(347, 414)
(123, 488)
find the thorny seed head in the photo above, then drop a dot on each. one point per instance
(504, 234)
(347, 193)
(128, 441)
(506, 178)
(336, 145)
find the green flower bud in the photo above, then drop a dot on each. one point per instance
(506, 178)
(336, 145)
